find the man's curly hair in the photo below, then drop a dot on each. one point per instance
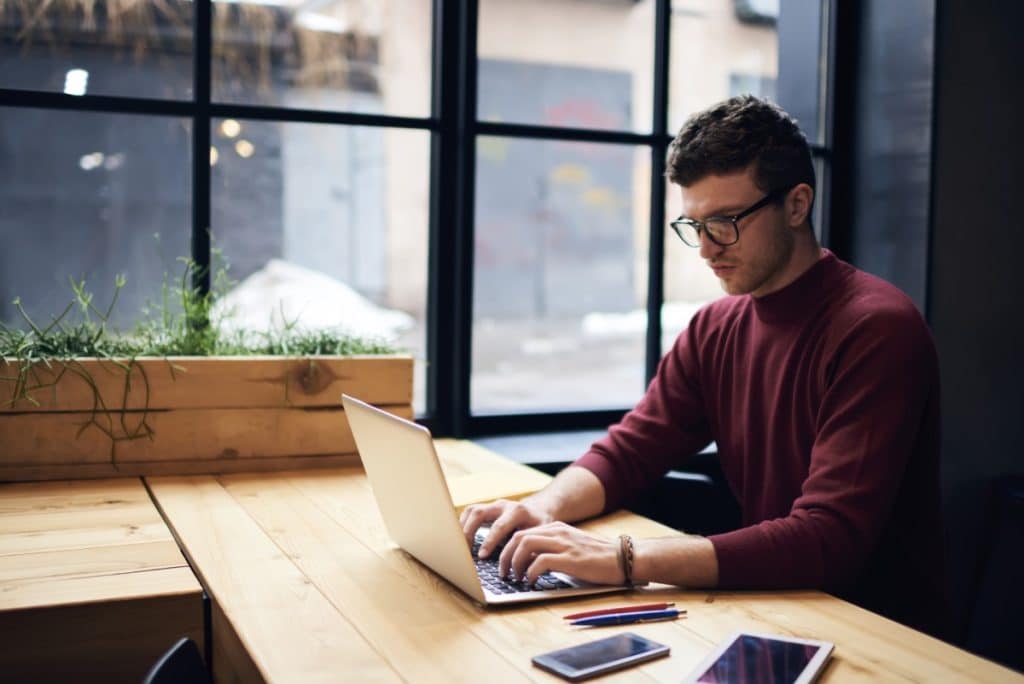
(731, 135)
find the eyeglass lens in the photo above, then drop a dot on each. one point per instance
(721, 231)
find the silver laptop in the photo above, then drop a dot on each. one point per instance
(405, 475)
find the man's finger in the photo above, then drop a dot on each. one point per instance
(501, 528)
(505, 559)
(469, 520)
(530, 546)
(544, 562)
(477, 516)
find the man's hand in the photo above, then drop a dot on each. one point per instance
(557, 546)
(505, 517)
(574, 494)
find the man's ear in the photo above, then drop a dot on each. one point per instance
(798, 205)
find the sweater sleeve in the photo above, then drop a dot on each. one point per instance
(883, 375)
(668, 425)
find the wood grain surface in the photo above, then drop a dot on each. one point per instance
(310, 585)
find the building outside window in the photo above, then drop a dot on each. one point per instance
(321, 125)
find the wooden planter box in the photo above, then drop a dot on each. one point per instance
(185, 415)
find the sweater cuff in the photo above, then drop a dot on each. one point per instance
(732, 550)
(748, 559)
(605, 472)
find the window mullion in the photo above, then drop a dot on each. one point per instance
(451, 235)
(656, 244)
(202, 67)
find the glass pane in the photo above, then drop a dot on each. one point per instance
(818, 212)
(78, 47)
(327, 226)
(802, 56)
(567, 63)
(82, 197)
(689, 283)
(370, 56)
(560, 279)
(721, 48)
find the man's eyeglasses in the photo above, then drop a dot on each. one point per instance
(722, 230)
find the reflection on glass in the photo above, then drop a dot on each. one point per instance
(818, 211)
(82, 197)
(325, 226)
(721, 48)
(560, 275)
(756, 659)
(689, 283)
(79, 47)
(371, 56)
(566, 63)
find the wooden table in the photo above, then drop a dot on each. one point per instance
(307, 586)
(93, 586)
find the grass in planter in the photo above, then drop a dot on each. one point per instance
(40, 355)
(57, 348)
(195, 330)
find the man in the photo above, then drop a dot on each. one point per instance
(818, 382)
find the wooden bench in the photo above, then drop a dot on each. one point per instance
(93, 586)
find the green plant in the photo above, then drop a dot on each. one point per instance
(57, 348)
(34, 357)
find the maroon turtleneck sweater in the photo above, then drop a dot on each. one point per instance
(823, 399)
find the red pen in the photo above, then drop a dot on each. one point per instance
(620, 609)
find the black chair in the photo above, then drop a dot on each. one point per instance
(696, 500)
(183, 664)
(994, 629)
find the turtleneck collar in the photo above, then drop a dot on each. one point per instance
(798, 298)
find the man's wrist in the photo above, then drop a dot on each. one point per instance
(684, 561)
(626, 555)
(543, 504)
(574, 494)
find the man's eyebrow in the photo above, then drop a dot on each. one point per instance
(727, 210)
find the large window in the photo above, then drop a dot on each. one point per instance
(480, 182)
(292, 138)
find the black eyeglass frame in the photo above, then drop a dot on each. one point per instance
(700, 227)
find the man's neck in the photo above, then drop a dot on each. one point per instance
(806, 253)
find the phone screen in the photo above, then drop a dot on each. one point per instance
(586, 656)
(757, 659)
(602, 655)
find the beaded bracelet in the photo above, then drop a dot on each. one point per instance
(626, 557)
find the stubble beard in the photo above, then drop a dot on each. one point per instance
(749, 276)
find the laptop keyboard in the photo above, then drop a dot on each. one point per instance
(487, 570)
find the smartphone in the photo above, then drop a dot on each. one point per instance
(768, 658)
(603, 655)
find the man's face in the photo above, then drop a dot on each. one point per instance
(755, 263)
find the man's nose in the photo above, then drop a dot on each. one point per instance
(708, 247)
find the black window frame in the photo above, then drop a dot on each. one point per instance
(454, 130)
(451, 258)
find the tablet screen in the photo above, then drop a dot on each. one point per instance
(757, 659)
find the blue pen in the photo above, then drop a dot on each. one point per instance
(628, 618)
